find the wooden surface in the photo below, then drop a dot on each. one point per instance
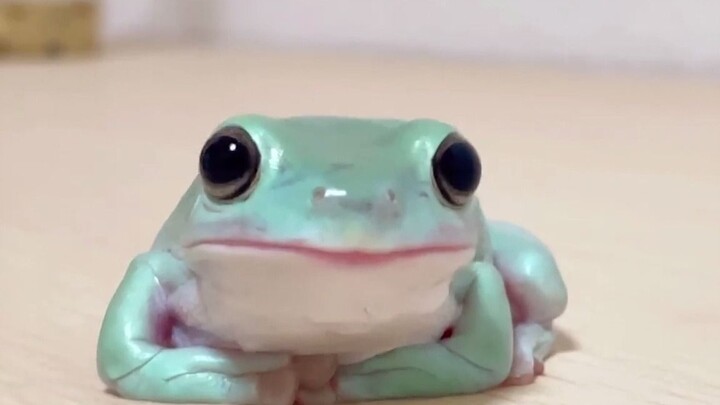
(617, 174)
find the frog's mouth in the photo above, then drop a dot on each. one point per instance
(348, 256)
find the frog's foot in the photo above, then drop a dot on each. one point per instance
(526, 377)
(323, 396)
(532, 346)
(315, 377)
(277, 387)
(204, 375)
(314, 372)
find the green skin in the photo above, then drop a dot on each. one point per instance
(509, 294)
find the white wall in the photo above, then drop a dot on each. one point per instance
(664, 33)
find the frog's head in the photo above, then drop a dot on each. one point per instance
(343, 189)
(280, 205)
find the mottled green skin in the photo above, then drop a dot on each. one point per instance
(365, 158)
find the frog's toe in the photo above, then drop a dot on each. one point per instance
(533, 343)
(314, 372)
(524, 375)
(323, 396)
(277, 387)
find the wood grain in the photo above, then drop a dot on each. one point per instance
(617, 174)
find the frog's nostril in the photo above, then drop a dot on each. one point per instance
(318, 193)
(390, 206)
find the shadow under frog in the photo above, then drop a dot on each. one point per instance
(314, 261)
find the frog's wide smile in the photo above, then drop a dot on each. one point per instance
(341, 255)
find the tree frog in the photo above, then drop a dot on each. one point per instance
(320, 259)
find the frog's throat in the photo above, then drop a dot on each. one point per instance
(347, 256)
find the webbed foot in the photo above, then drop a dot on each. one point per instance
(532, 345)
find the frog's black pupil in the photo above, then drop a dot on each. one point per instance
(225, 160)
(460, 167)
(456, 170)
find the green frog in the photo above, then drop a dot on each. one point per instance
(321, 259)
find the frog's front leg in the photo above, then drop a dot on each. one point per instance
(476, 357)
(134, 362)
(537, 295)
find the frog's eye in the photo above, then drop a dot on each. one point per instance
(229, 163)
(456, 170)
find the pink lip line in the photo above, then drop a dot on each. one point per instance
(337, 256)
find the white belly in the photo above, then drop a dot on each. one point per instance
(278, 301)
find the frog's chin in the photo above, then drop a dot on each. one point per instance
(347, 256)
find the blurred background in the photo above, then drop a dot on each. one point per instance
(598, 124)
(681, 35)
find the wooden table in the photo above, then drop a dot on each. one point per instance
(616, 173)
